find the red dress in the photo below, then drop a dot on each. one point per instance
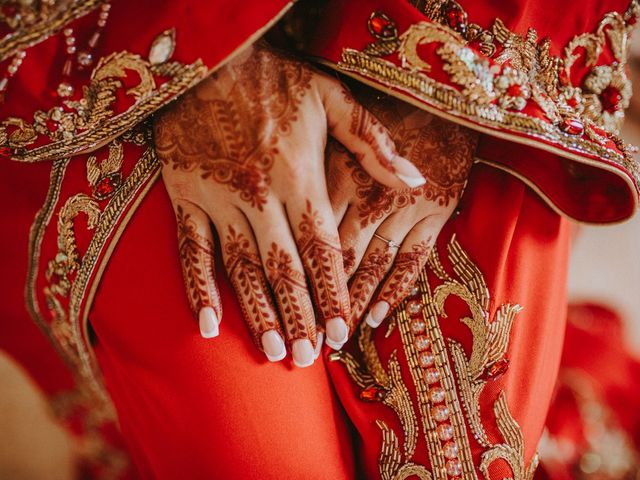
(459, 381)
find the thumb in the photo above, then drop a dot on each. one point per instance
(369, 141)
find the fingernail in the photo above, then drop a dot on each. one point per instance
(408, 173)
(208, 322)
(318, 349)
(377, 314)
(337, 331)
(273, 346)
(302, 352)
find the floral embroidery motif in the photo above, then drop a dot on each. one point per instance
(447, 377)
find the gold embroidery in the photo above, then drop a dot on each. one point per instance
(493, 97)
(80, 125)
(447, 412)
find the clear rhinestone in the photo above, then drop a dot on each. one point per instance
(417, 326)
(436, 395)
(445, 432)
(431, 376)
(426, 359)
(440, 413)
(422, 342)
(453, 467)
(450, 450)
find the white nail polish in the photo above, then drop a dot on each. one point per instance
(371, 322)
(302, 353)
(337, 330)
(273, 346)
(319, 342)
(412, 182)
(379, 312)
(208, 321)
(334, 345)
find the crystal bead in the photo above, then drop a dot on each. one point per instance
(162, 47)
(85, 59)
(431, 376)
(64, 90)
(445, 432)
(426, 359)
(440, 413)
(417, 327)
(414, 307)
(373, 393)
(381, 25)
(422, 342)
(436, 395)
(450, 450)
(611, 98)
(453, 468)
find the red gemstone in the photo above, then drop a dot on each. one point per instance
(572, 126)
(107, 185)
(456, 18)
(373, 393)
(514, 91)
(5, 152)
(497, 369)
(632, 20)
(381, 25)
(572, 102)
(610, 98)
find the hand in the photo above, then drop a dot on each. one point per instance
(245, 149)
(371, 216)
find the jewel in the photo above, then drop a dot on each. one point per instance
(414, 307)
(414, 292)
(417, 326)
(64, 90)
(632, 20)
(610, 98)
(85, 59)
(445, 432)
(431, 376)
(162, 47)
(440, 413)
(572, 102)
(374, 393)
(5, 152)
(422, 342)
(572, 126)
(436, 395)
(426, 359)
(381, 25)
(453, 467)
(450, 450)
(497, 369)
(456, 18)
(514, 90)
(107, 185)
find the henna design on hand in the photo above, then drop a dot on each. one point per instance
(248, 280)
(349, 261)
(232, 136)
(196, 258)
(372, 270)
(321, 256)
(290, 289)
(406, 269)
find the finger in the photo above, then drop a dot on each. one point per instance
(245, 271)
(285, 274)
(375, 265)
(369, 141)
(319, 248)
(355, 237)
(411, 259)
(195, 244)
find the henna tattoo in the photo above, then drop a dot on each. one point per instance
(196, 258)
(406, 269)
(442, 151)
(232, 137)
(321, 256)
(372, 270)
(290, 289)
(247, 277)
(349, 260)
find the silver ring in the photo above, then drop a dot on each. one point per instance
(390, 243)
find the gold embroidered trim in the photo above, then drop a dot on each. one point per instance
(28, 36)
(69, 273)
(447, 411)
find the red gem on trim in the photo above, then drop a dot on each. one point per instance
(107, 185)
(514, 91)
(632, 20)
(381, 25)
(5, 152)
(497, 369)
(374, 393)
(611, 98)
(572, 126)
(572, 102)
(456, 18)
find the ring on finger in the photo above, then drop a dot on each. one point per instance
(390, 243)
